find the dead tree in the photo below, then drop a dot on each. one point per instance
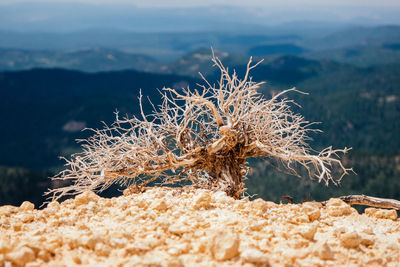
(203, 136)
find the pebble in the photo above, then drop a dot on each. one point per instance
(337, 207)
(21, 256)
(224, 245)
(85, 198)
(254, 256)
(26, 205)
(350, 240)
(159, 205)
(381, 213)
(325, 252)
(202, 200)
(308, 231)
(312, 209)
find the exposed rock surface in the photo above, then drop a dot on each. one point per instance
(175, 227)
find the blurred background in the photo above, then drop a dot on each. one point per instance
(67, 65)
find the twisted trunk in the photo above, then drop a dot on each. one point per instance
(226, 173)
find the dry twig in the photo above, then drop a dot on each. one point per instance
(371, 201)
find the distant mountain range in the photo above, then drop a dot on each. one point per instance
(163, 46)
(89, 60)
(362, 56)
(64, 16)
(110, 50)
(356, 36)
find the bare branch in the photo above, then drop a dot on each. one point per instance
(371, 201)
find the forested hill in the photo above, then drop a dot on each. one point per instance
(44, 110)
(357, 107)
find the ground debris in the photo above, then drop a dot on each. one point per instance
(195, 228)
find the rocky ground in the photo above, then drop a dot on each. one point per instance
(176, 227)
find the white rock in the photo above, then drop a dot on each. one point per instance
(253, 255)
(350, 240)
(26, 205)
(224, 245)
(21, 256)
(325, 252)
(308, 231)
(202, 200)
(222, 197)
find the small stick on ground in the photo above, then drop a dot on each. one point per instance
(288, 198)
(308, 197)
(371, 201)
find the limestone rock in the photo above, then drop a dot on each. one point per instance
(190, 227)
(350, 240)
(381, 213)
(312, 209)
(173, 263)
(91, 241)
(222, 197)
(86, 197)
(325, 252)
(7, 210)
(308, 231)
(367, 240)
(337, 207)
(202, 200)
(4, 246)
(159, 204)
(26, 205)
(178, 229)
(21, 256)
(260, 205)
(32, 264)
(254, 256)
(224, 245)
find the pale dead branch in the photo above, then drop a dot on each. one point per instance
(371, 201)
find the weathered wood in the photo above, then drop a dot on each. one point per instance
(372, 201)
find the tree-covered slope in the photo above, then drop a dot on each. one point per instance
(43, 110)
(89, 59)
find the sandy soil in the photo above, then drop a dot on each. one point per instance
(176, 227)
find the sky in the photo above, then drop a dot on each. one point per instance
(75, 15)
(248, 3)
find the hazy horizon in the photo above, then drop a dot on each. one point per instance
(156, 15)
(249, 3)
